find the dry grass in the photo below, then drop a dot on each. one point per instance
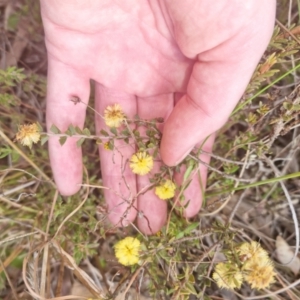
(53, 246)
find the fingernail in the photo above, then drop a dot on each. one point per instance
(184, 156)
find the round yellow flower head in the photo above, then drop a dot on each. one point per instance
(259, 274)
(127, 251)
(28, 134)
(228, 276)
(252, 251)
(165, 190)
(114, 115)
(141, 163)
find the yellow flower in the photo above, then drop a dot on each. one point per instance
(28, 134)
(141, 163)
(251, 251)
(257, 266)
(127, 251)
(106, 146)
(114, 115)
(158, 233)
(228, 276)
(259, 274)
(165, 190)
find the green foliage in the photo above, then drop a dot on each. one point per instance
(2, 281)
(11, 76)
(35, 84)
(62, 140)
(54, 129)
(44, 139)
(7, 100)
(6, 150)
(178, 259)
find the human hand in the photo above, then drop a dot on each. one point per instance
(148, 56)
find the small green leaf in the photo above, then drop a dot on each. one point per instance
(103, 132)
(188, 171)
(136, 133)
(186, 185)
(5, 151)
(62, 140)
(113, 130)
(44, 139)
(72, 130)
(78, 130)
(80, 142)
(8, 100)
(190, 290)
(153, 141)
(150, 145)
(13, 21)
(191, 227)
(141, 146)
(11, 76)
(54, 129)
(39, 126)
(187, 204)
(111, 145)
(125, 132)
(68, 132)
(180, 235)
(86, 132)
(15, 156)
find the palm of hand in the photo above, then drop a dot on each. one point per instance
(141, 56)
(133, 55)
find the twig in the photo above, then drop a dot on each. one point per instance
(226, 160)
(265, 296)
(16, 189)
(73, 212)
(293, 212)
(15, 295)
(9, 239)
(231, 194)
(51, 212)
(287, 31)
(17, 205)
(219, 172)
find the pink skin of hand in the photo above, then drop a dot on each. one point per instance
(148, 56)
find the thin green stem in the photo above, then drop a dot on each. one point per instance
(255, 184)
(264, 89)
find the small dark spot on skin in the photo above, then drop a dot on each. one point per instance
(75, 99)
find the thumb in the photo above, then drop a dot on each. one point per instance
(219, 77)
(217, 82)
(187, 126)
